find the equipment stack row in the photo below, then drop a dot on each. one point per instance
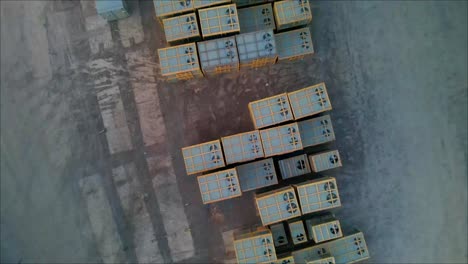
(252, 37)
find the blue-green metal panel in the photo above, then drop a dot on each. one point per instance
(256, 18)
(256, 45)
(281, 139)
(219, 186)
(218, 52)
(112, 9)
(178, 59)
(271, 111)
(255, 250)
(219, 20)
(326, 230)
(242, 147)
(165, 8)
(258, 174)
(326, 161)
(298, 233)
(309, 101)
(292, 13)
(203, 157)
(243, 3)
(316, 131)
(294, 43)
(294, 166)
(319, 197)
(348, 249)
(279, 234)
(181, 27)
(278, 207)
(205, 3)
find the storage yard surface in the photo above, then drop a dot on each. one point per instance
(91, 136)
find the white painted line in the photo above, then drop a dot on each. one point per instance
(132, 198)
(102, 221)
(179, 235)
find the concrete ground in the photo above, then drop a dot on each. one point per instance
(91, 168)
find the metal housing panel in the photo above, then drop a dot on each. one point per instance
(203, 157)
(242, 147)
(309, 101)
(318, 195)
(258, 174)
(280, 140)
(316, 131)
(294, 44)
(219, 186)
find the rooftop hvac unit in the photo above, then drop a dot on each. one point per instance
(323, 260)
(298, 233)
(325, 161)
(181, 28)
(316, 131)
(219, 20)
(318, 195)
(294, 166)
(258, 174)
(291, 13)
(277, 205)
(294, 44)
(324, 228)
(256, 49)
(219, 186)
(180, 62)
(218, 55)
(242, 147)
(256, 18)
(309, 101)
(164, 8)
(281, 139)
(203, 157)
(279, 234)
(348, 249)
(270, 111)
(112, 10)
(206, 3)
(255, 247)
